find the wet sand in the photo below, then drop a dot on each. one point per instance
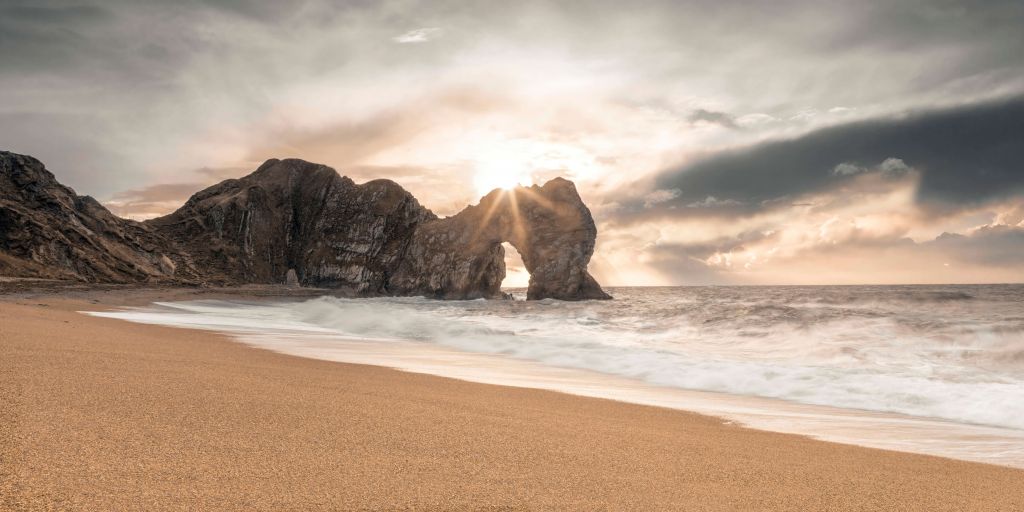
(101, 414)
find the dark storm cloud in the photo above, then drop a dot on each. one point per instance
(967, 155)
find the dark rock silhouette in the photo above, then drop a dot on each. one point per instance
(301, 223)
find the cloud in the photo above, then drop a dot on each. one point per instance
(217, 174)
(868, 228)
(208, 68)
(120, 95)
(152, 201)
(660, 196)
(419, 35)
(713, 202)
(966, 155)
(684, 262)
(710, 116)
(38, 38)
(848, 169)
(889, 167)
(986, 254)
(755, 119)
(1013, 216)
(163, 198)
(42, 14)
(893, 166)
(991, 245)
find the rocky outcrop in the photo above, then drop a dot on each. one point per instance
(462, 256)
(301, 223)
(299, 216)
(48, 231)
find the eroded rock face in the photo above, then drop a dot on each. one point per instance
(462, 257)
(49, 231)
(298, 223)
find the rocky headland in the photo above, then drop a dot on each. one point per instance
(300, 223)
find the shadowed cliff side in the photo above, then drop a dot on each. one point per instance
(462, 257)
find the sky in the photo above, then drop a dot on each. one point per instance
(715, 142)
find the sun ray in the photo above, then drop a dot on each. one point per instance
(519, 230)
(537, 198)
(488, 214)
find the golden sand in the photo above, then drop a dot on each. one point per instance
(101, 414)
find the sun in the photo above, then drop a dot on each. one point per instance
(502, 162)
(503, 175)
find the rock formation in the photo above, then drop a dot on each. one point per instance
(301, 223)
(462, 256)
(296, 215)
(48, 231)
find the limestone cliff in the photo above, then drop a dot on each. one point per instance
(297, 222)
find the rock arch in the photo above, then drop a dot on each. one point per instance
(461, 256)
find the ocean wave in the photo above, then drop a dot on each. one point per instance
(935, 352)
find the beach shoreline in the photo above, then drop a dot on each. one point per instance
(107, 414)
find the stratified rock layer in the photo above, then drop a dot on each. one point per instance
(297, 222)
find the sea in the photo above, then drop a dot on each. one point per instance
(926, 369)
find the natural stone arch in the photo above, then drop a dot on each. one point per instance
(461, 256)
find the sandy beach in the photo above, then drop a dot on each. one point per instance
(101, 414)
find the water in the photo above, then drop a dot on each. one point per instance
(947, 361)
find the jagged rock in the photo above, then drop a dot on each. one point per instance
(48, 231)
(301, 223)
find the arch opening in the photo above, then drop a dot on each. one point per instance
(517, 278)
